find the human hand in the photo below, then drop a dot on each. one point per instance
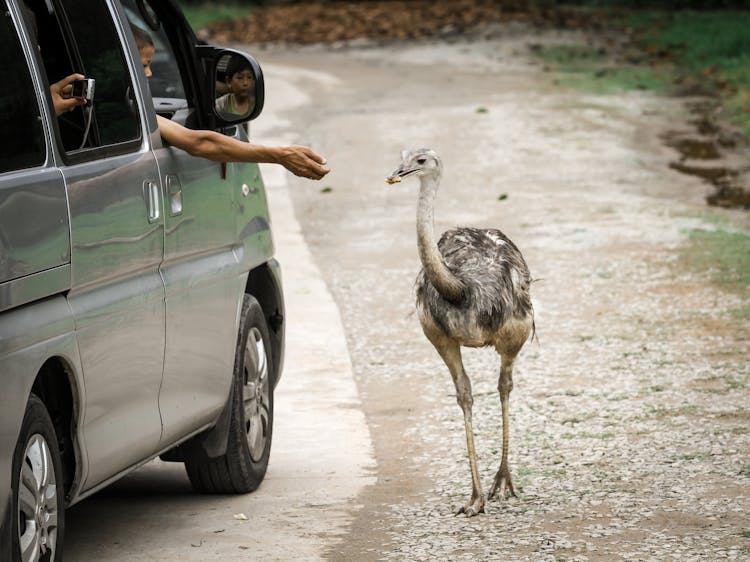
(303, 162)
(61, 94)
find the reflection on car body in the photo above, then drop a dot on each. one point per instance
(141, 307)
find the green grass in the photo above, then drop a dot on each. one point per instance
(201, 15)
(742, 313)
(707, 51)
(591, 70)
(712, 47)
(725, 255)
(700, 39)
(721, 251)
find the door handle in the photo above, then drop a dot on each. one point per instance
(174, 192)
(151, 193)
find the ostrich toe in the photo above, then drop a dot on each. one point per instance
(503, 483)
(474, 506)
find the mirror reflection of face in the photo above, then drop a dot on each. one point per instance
(241, 83)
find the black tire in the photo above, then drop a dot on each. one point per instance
(38, 506)
(242, 468)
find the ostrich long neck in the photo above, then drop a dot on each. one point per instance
(447, 284)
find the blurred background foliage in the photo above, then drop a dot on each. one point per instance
(688, 46)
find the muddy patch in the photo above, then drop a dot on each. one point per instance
(714, 153)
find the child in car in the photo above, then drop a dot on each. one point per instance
(239, 84)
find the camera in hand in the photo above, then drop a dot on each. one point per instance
(83, 89)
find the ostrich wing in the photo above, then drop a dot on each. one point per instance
(494, 272)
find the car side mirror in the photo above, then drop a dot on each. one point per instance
(236, 87)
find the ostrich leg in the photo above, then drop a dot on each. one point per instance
(450, 352)
(503, 482)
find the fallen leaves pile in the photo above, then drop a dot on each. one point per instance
(337, 21)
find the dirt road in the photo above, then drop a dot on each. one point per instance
(629, 417)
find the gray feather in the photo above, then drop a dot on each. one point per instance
(495, 276)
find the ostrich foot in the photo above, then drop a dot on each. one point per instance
(475, 506)
(503, 483)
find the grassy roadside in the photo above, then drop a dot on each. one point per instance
(709, 50)
(678, 51)
(724, 256)
(595, 70)
(724, 253)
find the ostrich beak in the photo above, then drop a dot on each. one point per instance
(395, 176)
(398, 174)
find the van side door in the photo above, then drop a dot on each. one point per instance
(201, 273)
(117, 238)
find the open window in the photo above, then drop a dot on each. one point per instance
(80, 36)
(173, 92)
(170, 94)
(195, 85)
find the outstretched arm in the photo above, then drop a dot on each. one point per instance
(299, 160)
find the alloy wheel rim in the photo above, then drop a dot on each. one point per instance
(256, 395)
(37, 502)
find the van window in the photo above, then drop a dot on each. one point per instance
(102, 58)
(22, 139)
(166, 81)
(167, 87)
(80, 36)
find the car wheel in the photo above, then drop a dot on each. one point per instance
(38, 509)
(242, 468)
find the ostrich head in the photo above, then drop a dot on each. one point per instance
(422, 162)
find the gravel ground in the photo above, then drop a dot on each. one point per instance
(629, 416)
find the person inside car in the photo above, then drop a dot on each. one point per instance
(61, 94)
(300, 160)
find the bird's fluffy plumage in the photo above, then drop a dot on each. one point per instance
(496, 283)
(473, 291)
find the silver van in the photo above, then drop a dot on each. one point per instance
(141, 308)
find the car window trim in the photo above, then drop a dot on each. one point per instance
(32, 67)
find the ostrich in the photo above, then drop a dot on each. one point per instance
(473, 291)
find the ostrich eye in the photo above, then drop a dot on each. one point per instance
(421, 160)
